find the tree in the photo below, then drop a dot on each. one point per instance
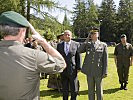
(66, 23)
(125, 18)
(85, 16)
(24, 7)
(92, 16)
(47, 24)
(107, 13)
(79, 15)
(7, 5)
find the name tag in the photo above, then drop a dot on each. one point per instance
(99, 50)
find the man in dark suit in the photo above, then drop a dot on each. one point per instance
(68, 50)
(95, 64)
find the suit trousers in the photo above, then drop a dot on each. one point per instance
(95, 82)
(123, 73)
(72, 81)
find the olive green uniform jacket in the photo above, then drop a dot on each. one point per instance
(123, 54)
(96, 59)
(20, 68)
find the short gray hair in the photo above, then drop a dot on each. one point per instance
(6, 30)
(67, 31)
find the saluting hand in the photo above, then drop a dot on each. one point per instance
(35, 35)
(87, 39)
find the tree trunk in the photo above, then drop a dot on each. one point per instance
(28, 17)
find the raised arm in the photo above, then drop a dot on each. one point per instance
(47, 47)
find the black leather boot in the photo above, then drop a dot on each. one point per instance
(122, 87)
(125, 86)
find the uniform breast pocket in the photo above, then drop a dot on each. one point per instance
(99, 52)
(128, 51)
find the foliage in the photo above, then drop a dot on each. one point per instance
(125, 18)
(85, 16)
(111, 22)
(66, 23)
(79, 18)
(48, 24)
(48, 37)
(107, 13)
(38, 6)
(8, 5)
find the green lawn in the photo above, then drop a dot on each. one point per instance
(110, 85)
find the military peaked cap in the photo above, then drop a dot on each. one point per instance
(123, 35)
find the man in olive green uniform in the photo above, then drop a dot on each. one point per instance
(20, 66)
(123, 60)
(95, 64)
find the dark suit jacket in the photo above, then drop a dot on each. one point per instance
(95, 62)
(73, 59)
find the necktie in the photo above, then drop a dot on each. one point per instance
(67, 48)
(94, 44)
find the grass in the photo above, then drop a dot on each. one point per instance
(110, 85)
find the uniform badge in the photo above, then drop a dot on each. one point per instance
(89, 49)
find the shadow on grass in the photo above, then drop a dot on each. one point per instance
(111, 55)
(52, 93)
(108, 91)
(85, 92)
(56, 93)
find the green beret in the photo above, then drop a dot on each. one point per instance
(13, 19)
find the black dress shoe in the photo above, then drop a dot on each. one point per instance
(122, 87)
(125, 86)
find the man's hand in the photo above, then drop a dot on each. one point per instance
(87, 39)
(35, 35)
